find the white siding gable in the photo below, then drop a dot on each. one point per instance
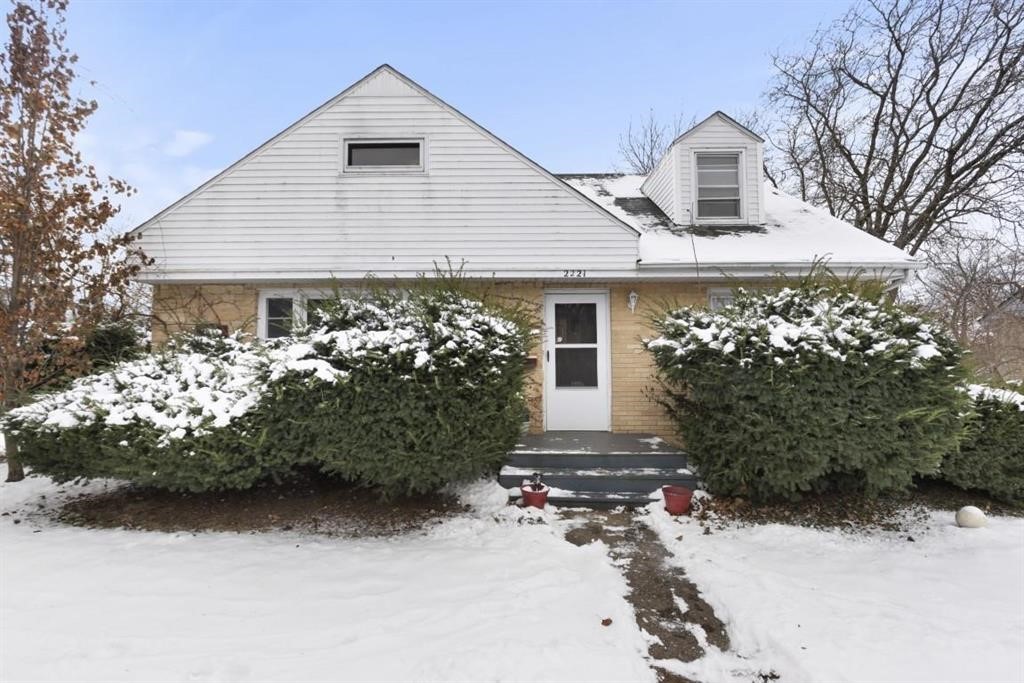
(288, 211)
(717, 133)
(660, 185)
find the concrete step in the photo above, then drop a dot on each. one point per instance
(581, 461)
(618, 480)
(591, 499)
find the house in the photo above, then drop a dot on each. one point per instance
(998, 344)
(387, 179)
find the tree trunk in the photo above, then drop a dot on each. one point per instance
(15, 472)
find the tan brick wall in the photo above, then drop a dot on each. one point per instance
(633, 383)
(180, 307)
(177, 308)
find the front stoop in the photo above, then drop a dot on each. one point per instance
(597, 469)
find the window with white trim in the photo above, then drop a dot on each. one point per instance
(278, 321)
(718, 185)
(383, 156)
(720, 297)
(283, 310)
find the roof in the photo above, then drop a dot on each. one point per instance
(794, 232)
(325, 106)
(725, 117)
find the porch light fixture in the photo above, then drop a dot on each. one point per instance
(633, 299)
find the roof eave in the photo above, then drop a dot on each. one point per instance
(723, 269)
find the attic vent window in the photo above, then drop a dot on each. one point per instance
(718, 186)
(383, 155)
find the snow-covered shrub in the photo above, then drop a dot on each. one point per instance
(991, 456)
(403, 394)
(808, 388)
(180, 419)
(432, 392)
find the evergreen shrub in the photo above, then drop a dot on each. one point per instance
(403, 392)
(806, 389)
(991, 456)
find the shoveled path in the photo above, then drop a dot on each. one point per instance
(667, 605)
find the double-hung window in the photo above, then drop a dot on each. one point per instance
(281, 311)
(718, 186)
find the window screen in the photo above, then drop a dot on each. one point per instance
(576, 367)
(279, 317)
(718, 186)
(576, 323)
(370, 154)
(576, 345)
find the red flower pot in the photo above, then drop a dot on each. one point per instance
(677, 499)
(532, 498)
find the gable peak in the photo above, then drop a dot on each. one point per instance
(723, 117)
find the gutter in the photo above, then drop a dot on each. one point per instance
(895, 270)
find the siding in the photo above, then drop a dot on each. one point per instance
(660, 186)
(717, 134)
(286, 211)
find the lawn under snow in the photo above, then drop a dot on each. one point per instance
(477, 598)
(829, 606)
(489, 597)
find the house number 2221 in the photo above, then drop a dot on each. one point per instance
(574, 273)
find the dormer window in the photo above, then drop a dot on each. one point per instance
(718, 186)
(383, 156)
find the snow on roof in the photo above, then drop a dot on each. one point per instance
(794, 232)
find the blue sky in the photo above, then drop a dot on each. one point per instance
(186, 88)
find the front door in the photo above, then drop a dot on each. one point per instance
(576, 383)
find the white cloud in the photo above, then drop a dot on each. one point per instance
(184, 142)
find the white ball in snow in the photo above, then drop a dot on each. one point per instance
(970, 517)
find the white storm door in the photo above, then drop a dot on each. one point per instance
(577, 390)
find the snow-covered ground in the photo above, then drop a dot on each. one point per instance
(492, 596)
(477, 598)
(830, 606)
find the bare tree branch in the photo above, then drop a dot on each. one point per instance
(975, 286)
(643, 145)
(905, 116)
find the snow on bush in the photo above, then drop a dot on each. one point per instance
(807, 388)
(212, 412)
(793, 323)
(186, 391)
(433, 393)
(1011, 399)
(991, 456)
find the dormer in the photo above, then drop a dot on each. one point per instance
(711, 175)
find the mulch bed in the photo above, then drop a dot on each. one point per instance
(853, 511)
(311, 505)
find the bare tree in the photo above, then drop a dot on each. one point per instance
(905, 116)
(758, 121)
(643, 145)
(57, 271)
(974, 285)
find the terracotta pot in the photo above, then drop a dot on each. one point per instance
(677, 499)
(531, 498)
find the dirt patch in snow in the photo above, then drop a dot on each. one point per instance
(314, 505)
(898, 512)
(668, 606)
